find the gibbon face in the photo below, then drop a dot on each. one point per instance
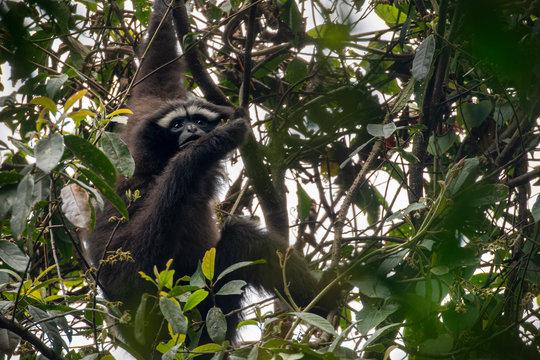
(176, 125)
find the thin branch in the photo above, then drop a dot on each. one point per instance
(342, 213)
(523, 179)
(211, 92)
(251, 31)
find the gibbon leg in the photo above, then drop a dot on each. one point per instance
(243, 240)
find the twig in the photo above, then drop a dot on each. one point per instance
(523, 179)
(244, 89)
(342, 213)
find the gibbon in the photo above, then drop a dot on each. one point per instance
(177, 143)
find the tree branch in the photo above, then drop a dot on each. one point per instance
(211, 92)
(27, 335)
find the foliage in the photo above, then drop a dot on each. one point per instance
(412, 147)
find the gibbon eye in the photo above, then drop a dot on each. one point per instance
(176, 125)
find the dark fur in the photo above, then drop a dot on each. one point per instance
(174, 218)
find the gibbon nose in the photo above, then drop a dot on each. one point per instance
(191, 128)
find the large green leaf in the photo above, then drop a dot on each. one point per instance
(118, 153)
(9, 177)
(140, 319)
(233, 287)
(49, 151)
(13, 256)
(195, 299)
(304, 202)
(92, 157)
(390, 14)
(438, 145)
(369, 317)
(237, 266)
(423, 58)
(296, 71)
(21, 206)
(174, 315)
(535, 211)
(473, 115)
(317, 321)
(384, 131)
(49, 326)
(216, 325)
(107, 191)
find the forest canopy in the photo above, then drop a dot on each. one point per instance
(402, 161)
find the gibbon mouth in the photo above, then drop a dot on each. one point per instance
(188, 141)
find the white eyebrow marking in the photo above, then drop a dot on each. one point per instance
(191, 110)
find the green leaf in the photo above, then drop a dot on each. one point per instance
(269, 66)
(377, 334)
(292, 16)
(49, 152)
(296, 71)
(372, 286)
(21, 205)
(404, 96)
(171, 353)
(216, 325)
(208, 348)
(462, 173)
(246, 322)
(503, 113)
(107, 191)
(400, 214)
(75, 97)
(54, 84)
(385, 130)
(317, 321)
(390, 14)
(441, 345)
(118, 153)
(423, 58)
(536, 209)
(237, 266)
(46, 102)
(13, 256)
(95, 194)
(439, 145)
(233, 287)
(195, 299)
(370, 317)
(403, 33)
(335, 36)
(166, 278)
(76, 207)
(440, 270)
(49, 326)
(140, 319)
(463, 320)
(92, 157)
(208, 262)
(473, 115)
(174, 315)
(9, 177)
(253, 353)
(197, 279)
(304, 202)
